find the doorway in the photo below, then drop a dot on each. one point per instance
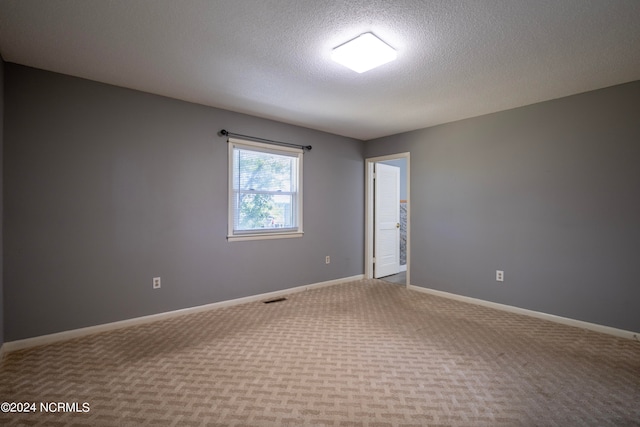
(380, 222)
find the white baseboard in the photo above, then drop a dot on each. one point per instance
(550, 317)
(90, 330)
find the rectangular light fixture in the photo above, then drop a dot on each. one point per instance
(363, 53)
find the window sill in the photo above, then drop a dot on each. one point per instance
(264, 236)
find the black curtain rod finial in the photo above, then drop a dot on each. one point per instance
(224, 132)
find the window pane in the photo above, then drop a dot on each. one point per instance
(264, 211)
(264, 191)
(255, 170)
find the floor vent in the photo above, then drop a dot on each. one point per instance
(275, 300)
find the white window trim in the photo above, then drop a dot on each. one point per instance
(267, 148)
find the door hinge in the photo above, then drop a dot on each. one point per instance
(374, 260)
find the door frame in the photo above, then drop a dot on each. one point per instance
(369, 205)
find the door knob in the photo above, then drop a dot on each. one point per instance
(398, 225)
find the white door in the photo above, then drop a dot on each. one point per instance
(387, 220)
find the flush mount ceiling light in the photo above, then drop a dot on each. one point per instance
(363, 53)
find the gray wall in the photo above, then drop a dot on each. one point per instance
(1, 200)
(549, 193)
(107, 187)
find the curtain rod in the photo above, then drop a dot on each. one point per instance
(268, 141)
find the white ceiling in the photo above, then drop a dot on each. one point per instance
(271, 58)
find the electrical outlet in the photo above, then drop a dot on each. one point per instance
(156, 283)
(499, 276)
(327, 259)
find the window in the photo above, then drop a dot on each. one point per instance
(265, 191)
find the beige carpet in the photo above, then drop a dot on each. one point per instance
(367, 353)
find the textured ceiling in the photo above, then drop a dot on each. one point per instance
(271, 58)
